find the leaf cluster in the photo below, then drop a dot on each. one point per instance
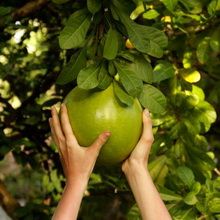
(98, 33)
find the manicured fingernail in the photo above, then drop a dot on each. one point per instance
(146, 112)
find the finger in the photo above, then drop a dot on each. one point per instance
(57, 128)
(58, 146)
(100, 141)
(147, 137)
(53, 135)
(66, 127)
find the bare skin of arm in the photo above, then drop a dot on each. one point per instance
(135, 169)
(78, 163)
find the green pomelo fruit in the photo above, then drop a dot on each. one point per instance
(92, 112)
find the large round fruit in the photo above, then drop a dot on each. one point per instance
(92, 112)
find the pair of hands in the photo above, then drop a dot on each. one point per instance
(78, 161)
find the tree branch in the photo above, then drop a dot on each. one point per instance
(29, 8)
(8, 202)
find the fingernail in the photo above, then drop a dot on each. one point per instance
(107, 133)
(146, 112)
(53, 109)
(62, 105)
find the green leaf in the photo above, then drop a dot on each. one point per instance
(203, 50)
(144, 38)
(190, 75)
(111, 68)
(161, 178)
(71, 70)
(132, 84)
(55, 180)
(190, 199)
(204, 114)
(186, 175)
(134, 213)
(142, 68)
(151, 14)
(114, 13)
(214, 205)
(153, 99)
(168, 195)
(4, 150)
(193, 6)
(127, 55)
(196, 187)
(88, 77)
(5, 10)
(200, 158)
(103, 78)
(123, 97)
(156, 166)
(59, 2)
(180, 212)
(74, 33)
(207, 111)
(213, 7)
(137, 11)
(170, 4)
(198, 92)
(123, 6)
(94, 179)
(163, 70)
(215, 40)
(94, 5)
(111, 45)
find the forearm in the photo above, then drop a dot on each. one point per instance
(69, 204)
(146, 195)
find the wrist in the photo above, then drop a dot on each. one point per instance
(78, 183)
(133, 167)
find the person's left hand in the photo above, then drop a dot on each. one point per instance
(77, 161)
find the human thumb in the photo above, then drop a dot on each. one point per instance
(147, 137)
(101, 140)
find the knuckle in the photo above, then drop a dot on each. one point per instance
(69, 142)
(149, 139)
(148, 120)
(98, 143)
(124, 167)
(100, 139)
(61, 140)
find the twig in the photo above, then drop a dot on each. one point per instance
(28, 8)
(7, 201)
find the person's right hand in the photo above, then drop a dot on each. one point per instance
(77, 161)
(139, 156)
(135, 169)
